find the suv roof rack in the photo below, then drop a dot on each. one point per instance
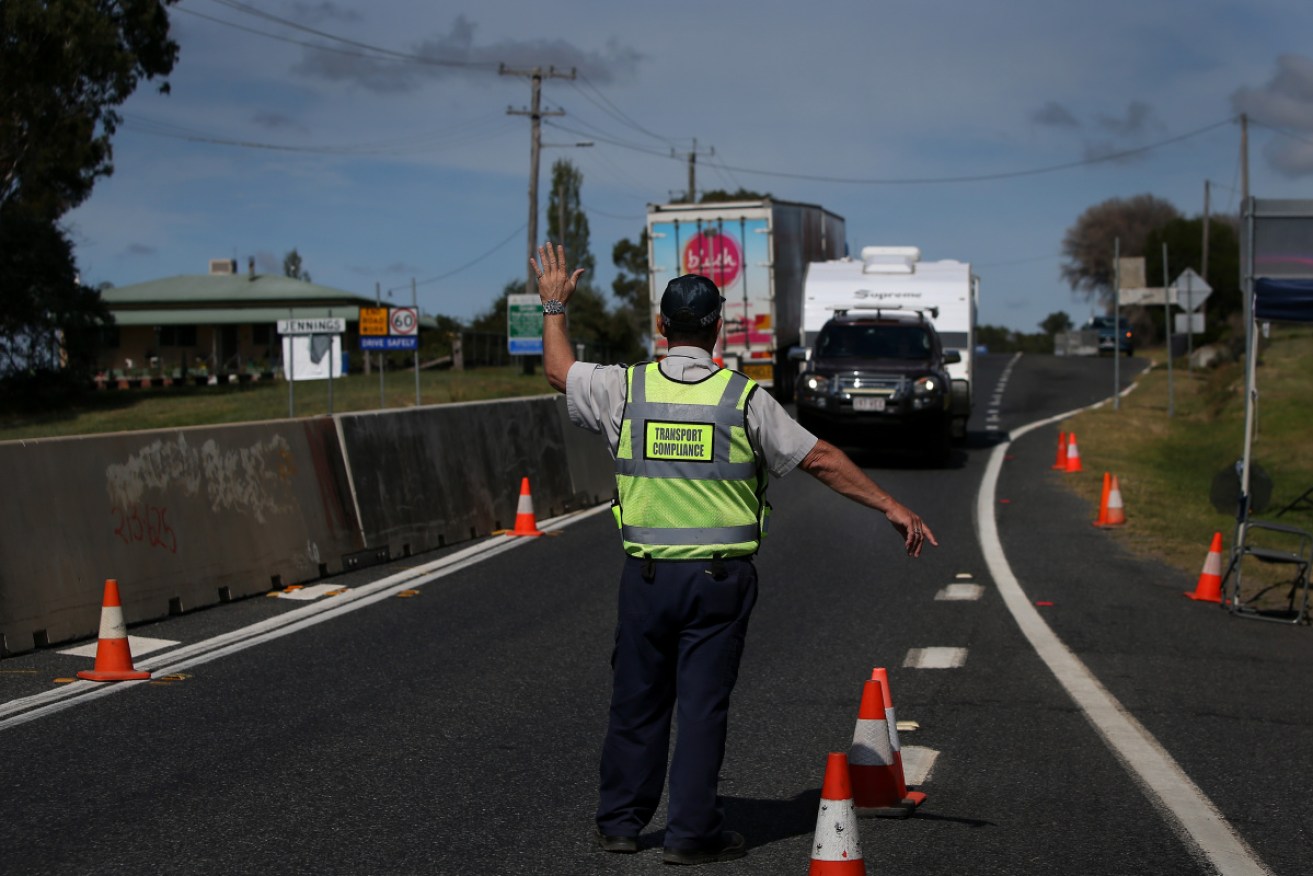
(842, 309)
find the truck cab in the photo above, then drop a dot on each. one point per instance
(880, 375)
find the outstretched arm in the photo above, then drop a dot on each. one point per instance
(832, 467)
(555, 283)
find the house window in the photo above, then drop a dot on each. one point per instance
(109, 337)
(262, 334)
(178, 336)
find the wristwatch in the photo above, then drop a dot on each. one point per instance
(553, 306)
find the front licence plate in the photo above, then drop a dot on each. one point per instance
(868, 404)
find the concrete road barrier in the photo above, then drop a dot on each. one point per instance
(186, 518)
(182, 518)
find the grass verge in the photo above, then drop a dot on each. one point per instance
(1166, 465)
(119, 410)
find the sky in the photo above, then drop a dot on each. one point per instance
(375, 137)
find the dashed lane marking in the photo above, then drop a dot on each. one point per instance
(935, 658)
(960, 593)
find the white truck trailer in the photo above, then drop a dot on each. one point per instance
(895, 278)
(757, 252)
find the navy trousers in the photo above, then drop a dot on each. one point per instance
(678, 642)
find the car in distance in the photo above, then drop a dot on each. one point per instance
(878, 375)
(1114, 336)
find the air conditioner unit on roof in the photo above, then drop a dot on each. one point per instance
(890, 259)
(223, 266)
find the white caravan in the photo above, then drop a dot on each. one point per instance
(895, 278)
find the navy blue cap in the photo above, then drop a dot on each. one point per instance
(691, 303)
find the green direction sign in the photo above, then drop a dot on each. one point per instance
(524, 325)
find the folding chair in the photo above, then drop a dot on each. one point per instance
(1272, 544)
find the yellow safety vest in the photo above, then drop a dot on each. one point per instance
(691, 484)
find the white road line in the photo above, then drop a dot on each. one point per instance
(1185, 807)
(918, 761)
(960, 593)
(935, 658)
(30, 708)
(137, 644)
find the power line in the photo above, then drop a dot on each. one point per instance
(419, 143)
(454, 271)
(616, 113)
(984, 177)
(1282, 131)
(612, 141)
(588, 209)
(391, 53)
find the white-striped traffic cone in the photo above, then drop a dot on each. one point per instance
(525, 523)
(876, 758)
(113, 654)
(836, 848)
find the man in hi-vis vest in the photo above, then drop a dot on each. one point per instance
(694, 446)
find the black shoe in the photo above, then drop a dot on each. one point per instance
(730, 847)
(625, 845)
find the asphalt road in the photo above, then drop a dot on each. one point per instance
(456, 730)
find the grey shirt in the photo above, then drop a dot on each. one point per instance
(595, 398)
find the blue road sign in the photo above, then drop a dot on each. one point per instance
(389, 342)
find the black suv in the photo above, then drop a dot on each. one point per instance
(880, 373)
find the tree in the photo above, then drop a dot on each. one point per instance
(631, 286)
(721, 196)
(50, 332)
(611, 334)
(64, 67)
(67, 65)
(292, 266)
(1089, 244)
(566, 221)
(1184, 239)
(1056, 322)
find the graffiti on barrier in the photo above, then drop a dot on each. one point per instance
(254, 480)
(145, 523)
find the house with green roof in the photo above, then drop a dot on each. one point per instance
(216, 324)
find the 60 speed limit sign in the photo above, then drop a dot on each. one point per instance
(404, 321)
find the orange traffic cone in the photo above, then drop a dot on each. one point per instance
(1061, 462)
(1114, 512)
(525, 524)
(113, 654)
(876, 761)
(1209, 588)
(836, 850)
(1103, 501)
(1073, 454)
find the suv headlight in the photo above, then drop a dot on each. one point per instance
(816, 383)
(928, 392)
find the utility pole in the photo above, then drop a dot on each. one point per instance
(1244, 157)
(1203, 266)
(535, 114)
(692, 194)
